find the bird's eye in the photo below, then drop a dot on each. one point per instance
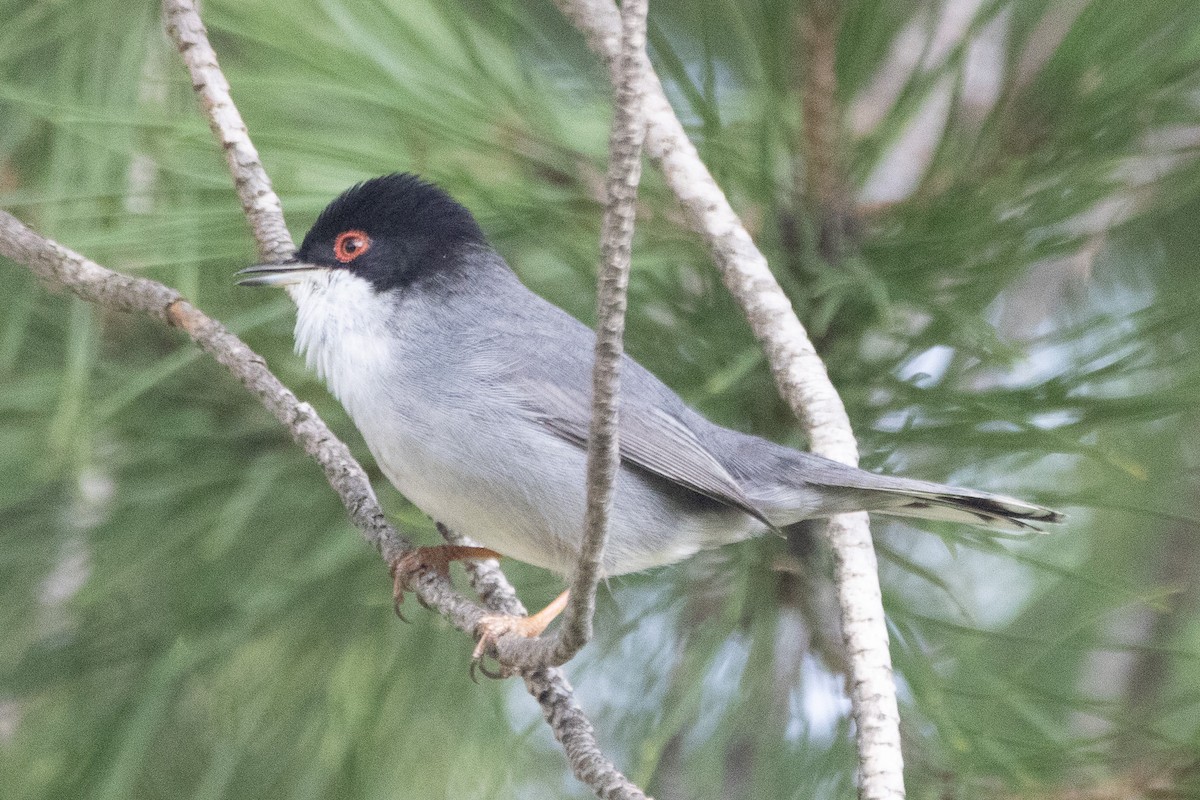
(349, 245)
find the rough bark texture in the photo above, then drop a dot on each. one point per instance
(259, 201)
(549, 686)
(616, 245)
(802, 381)
(603, 457)
(59, 266)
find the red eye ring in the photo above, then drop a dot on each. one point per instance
(349, 245)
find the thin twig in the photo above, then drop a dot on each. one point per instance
(259, 201)
(603, 457)
(802, 381)
(616, 245)
(549, 686)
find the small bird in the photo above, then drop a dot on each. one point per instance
(473, 395)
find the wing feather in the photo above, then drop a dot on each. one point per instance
(649, 438)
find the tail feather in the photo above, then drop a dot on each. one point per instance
(967, 506)
(790, 485)
(906, 497)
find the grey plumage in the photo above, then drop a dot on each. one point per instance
(473, 394)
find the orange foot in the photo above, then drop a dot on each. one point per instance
(408, 567)
(492, 626)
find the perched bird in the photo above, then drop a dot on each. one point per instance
(473, 395)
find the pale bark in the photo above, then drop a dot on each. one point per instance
(803, 383)
(259, 201)
(549, 686)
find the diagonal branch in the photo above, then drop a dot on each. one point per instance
(62, 267)
(59, 266)
(802, 381)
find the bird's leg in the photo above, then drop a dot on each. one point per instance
(409, 566)
(492, 626)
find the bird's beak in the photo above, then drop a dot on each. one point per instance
(285, 273)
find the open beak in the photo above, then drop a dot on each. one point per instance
(283, 274)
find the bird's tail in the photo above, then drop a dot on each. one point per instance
(841, 488)
(952, 504)
(790, 485)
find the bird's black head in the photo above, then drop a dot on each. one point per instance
(392, 231)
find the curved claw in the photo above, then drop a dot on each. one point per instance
(492, 626)
(399, 587)
(498, 675)
(407, 568)
(480, 665)
(489, 629)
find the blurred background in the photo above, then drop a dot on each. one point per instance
(985, 213)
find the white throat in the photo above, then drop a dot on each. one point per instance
(342, 332)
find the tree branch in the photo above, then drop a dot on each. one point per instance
(603, 457)
(616, 245)
(259, 201)
(62, 267)
(549, 686)
(802, 381)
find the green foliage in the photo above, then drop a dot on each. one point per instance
(187, 611)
